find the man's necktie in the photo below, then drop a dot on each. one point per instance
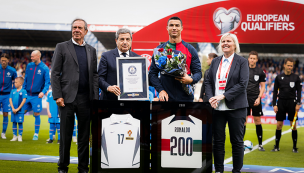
(124, 54)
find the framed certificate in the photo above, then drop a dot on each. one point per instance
(132, 78)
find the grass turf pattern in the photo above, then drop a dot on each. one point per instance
(28, 146)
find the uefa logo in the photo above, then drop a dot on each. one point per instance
(227, 20)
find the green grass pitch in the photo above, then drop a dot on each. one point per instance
(283, 158)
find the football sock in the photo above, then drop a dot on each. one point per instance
(278, 137)
(294, 135)
(75, 127)
(259, 132)
(244, 130)
(20, 128)
(5, 122)
(37, 124)
(52, 130)
(58, 130)
(15, 128)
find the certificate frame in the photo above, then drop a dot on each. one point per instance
(142, 92)
(163, 110)
(102, 109)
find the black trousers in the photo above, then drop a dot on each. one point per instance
(236, 119)
(80, 106)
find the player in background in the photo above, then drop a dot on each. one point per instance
(153, 94)
(255, 90)
(36, 83)
(75, 131)
(53, 114)
(203, 97)
(7, 75)
(17, 100)
(289, 86)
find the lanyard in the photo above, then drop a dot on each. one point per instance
(219, 74)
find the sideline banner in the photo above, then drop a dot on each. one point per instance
(259, 21)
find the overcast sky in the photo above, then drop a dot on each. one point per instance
(114, 12)
(127, 12)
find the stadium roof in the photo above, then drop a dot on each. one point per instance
(44, 24)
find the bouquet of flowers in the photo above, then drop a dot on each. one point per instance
(172, 63)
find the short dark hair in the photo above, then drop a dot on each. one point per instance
(175, 18)
(5, 55)
(85, 23)
(289, 59)
(254, 53)
(212, 55)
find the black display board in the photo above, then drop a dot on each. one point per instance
(181, 133)
(103, 111)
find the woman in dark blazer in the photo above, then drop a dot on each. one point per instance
(225, 87)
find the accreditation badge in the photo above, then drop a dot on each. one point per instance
(292, 84)
(256, 77)
(222, 84)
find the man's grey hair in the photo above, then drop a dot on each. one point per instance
(85, 23)
(123, 31)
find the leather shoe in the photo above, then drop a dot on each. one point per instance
(62, 171)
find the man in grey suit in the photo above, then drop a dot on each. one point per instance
(74, 81)
(107, 66)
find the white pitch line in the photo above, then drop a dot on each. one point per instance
(257, 146)
(263, 129)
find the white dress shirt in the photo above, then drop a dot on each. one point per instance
(225, 65)
(121, 55)
(83, 44)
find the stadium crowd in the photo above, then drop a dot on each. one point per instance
(272, 68)
(19, 59)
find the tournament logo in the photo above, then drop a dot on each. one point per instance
(282, 78)
(227, 20)
(256, 77)
(20, 94)
(39, 72)
(292, 84)
(38, 106)
(132, 69)
(129, 133)
(8, 74)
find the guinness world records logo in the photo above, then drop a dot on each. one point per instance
(132, 69)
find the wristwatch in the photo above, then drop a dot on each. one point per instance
(299, 103)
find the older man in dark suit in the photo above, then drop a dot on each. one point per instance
(107, 70)
(74, 83)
